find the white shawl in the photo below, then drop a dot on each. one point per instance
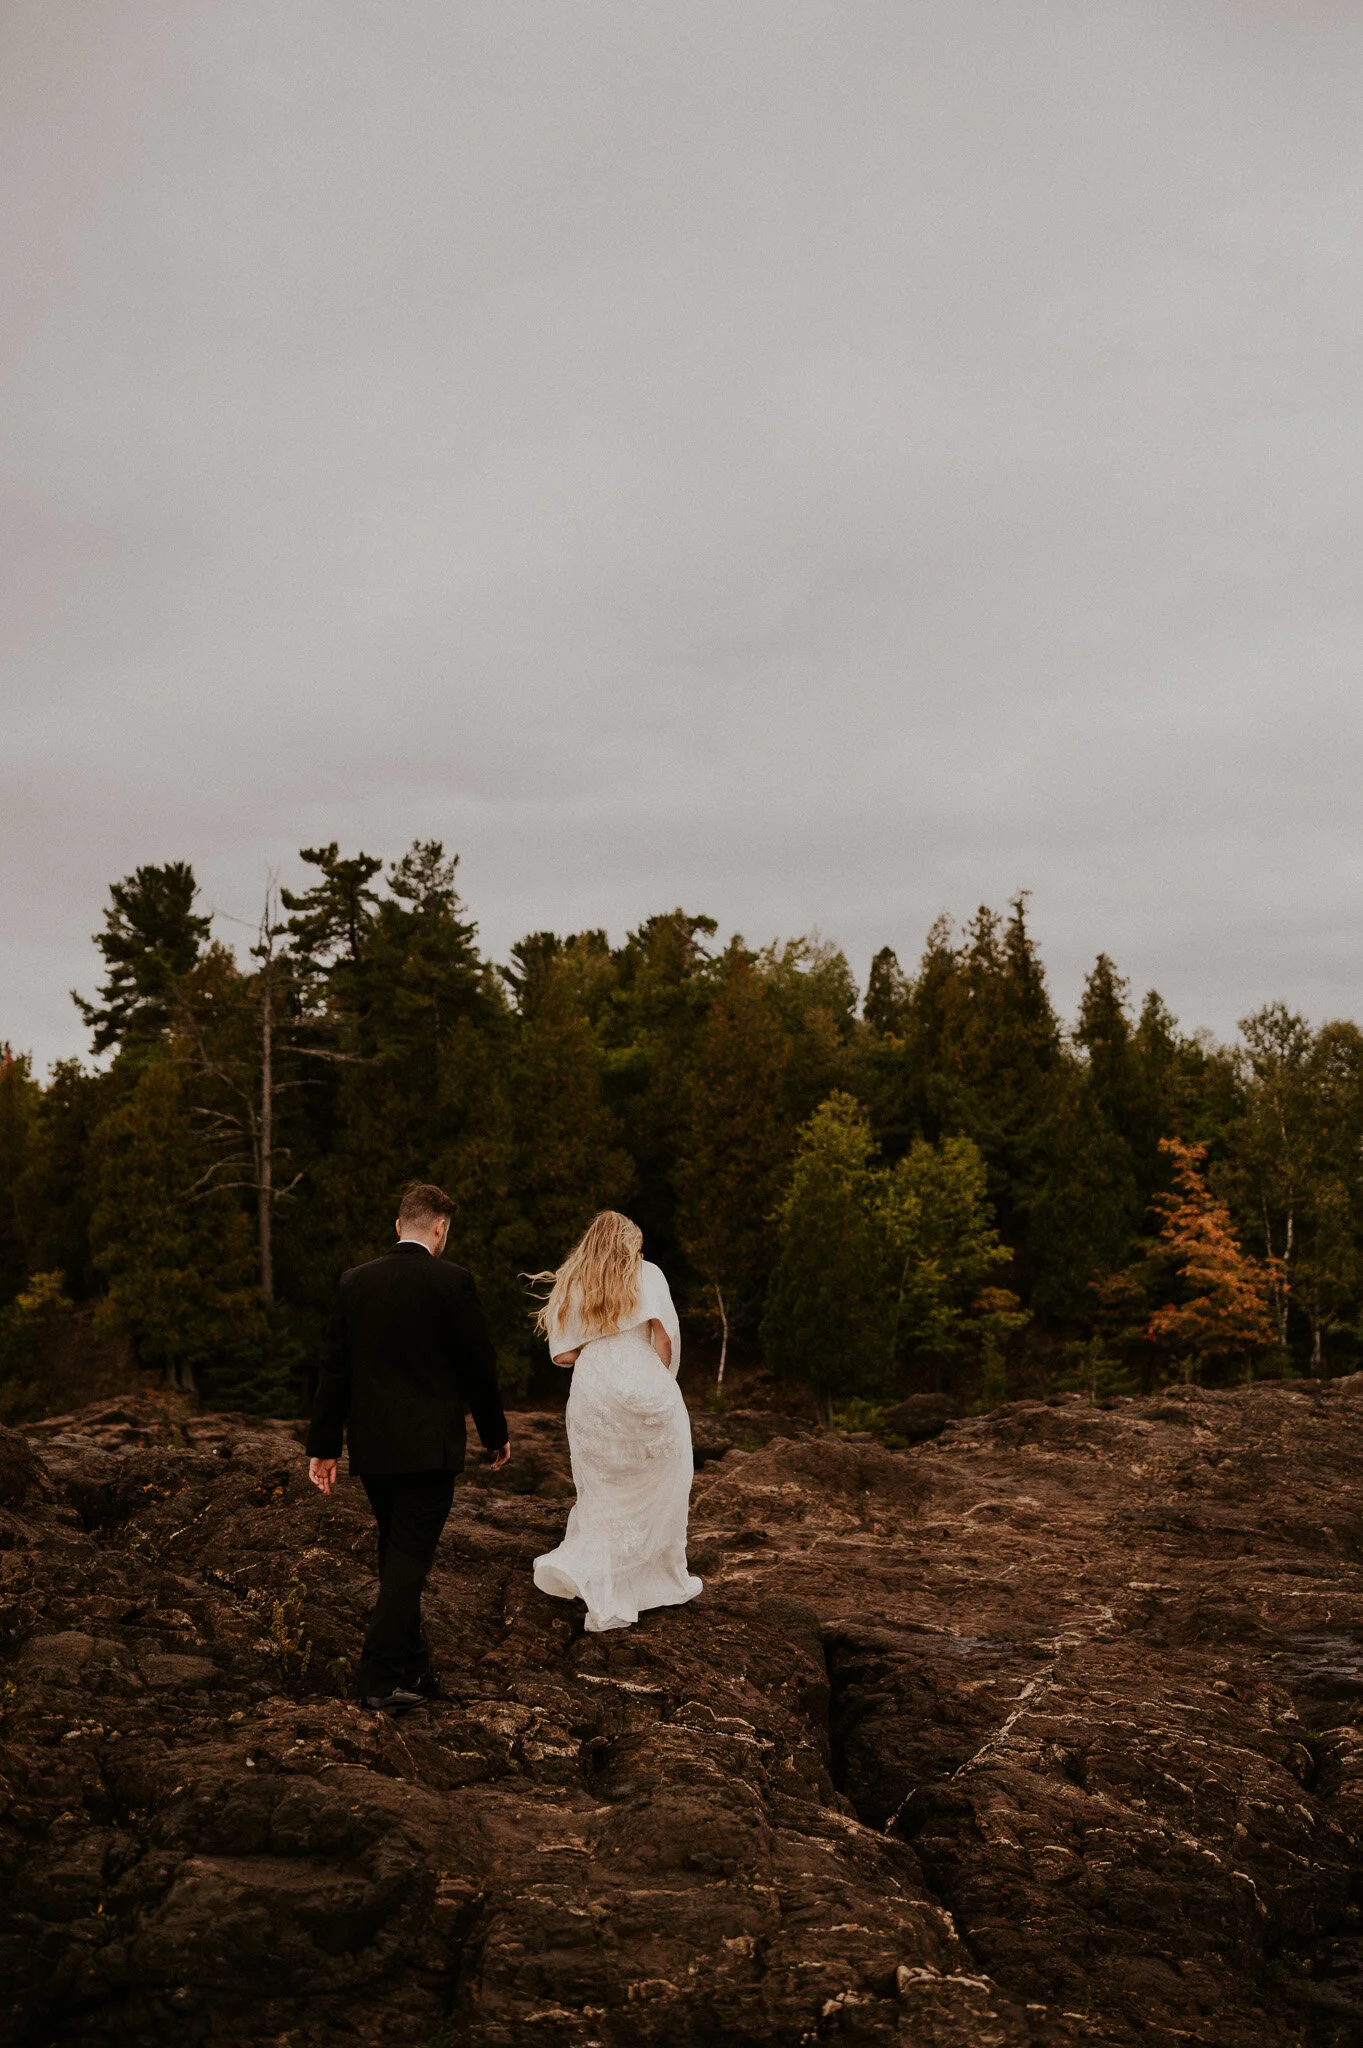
(655, 1301)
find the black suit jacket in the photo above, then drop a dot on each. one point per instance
(407, 1351)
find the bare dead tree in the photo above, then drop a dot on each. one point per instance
(248, 1128)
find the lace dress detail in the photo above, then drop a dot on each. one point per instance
(629, 1437)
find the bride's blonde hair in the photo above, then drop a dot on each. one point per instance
(597, 1286)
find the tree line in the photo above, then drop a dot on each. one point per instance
(928, 1184)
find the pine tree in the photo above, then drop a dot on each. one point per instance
(176, 1259)
(530, 968)
(56, 1193)
(830, 1314)
(1330, 1265)
(475, 1159)
(25, 1323)
(20, 1108)
(422, 965)
(394, 982)
(151, 939)
(886, 1004)
(947, 1257)
(1105, 1034)
(814, 994)
(737, 1143)
(330, 921)
(568, 1160)
(1082, 1204)
(664, 978)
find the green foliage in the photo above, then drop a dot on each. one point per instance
(946, 1257)
(737, 1140)
(664, 978)
(20, 1100)
(878, 1193)
(175, 1256)
(1297, 1167)
(886, 1007)
(567, 1159)
(24, 1324)
(151, 939)
(830, 1314)
(289, 1639)
(856, 1416)
(1090, 1370)
(331, 919)
(878, 1266)
(55, 1195)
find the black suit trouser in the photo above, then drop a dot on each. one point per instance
(411, 1509)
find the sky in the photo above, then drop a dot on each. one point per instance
(821, 465)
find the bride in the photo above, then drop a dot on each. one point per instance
(610, 1314)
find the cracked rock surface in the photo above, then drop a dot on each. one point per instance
(1045, 1729)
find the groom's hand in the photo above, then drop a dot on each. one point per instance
(503, 1457)
(322, 1473)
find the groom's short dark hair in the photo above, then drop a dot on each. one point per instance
(422, 1203)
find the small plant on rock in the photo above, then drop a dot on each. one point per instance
(1091, 1371)
(291, 1645)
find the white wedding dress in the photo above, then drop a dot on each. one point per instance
(629, 1437)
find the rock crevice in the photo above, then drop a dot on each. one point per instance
(1044, 1727)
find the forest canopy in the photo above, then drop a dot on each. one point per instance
(934, 1184)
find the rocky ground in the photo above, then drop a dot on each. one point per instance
(1044, 1730)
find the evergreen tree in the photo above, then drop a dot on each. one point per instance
(20, 1100)
(151, 939)
(1330, 1269)
(830, 1314)
(396, 1001)
(25, 1323)
(330, 921)
(814, 994)
(527, 974)
(1296, 1168)
(1082, 1204)
(664, 980)
(660, 1075)
(237, 1035)
(422, 967)
(1118, 1078)
(568, 1160)
(737, 1144)
(476, 1161)
(176, 1258)
(886, 1004)
(1281, 1145)
(985, 1059)
(56, 1193)
(947, 1258)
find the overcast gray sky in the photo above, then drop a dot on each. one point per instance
(819, 464)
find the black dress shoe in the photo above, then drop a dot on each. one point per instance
(428, 1685)
(399, 1701)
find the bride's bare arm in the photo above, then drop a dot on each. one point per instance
(662, 1343)
(567, 1357)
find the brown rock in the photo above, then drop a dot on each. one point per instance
(19, 1468)
(1047, 1730)
(922, 1416)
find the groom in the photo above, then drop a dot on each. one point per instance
(407, 1350)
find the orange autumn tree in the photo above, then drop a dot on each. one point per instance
(1225, 1309)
